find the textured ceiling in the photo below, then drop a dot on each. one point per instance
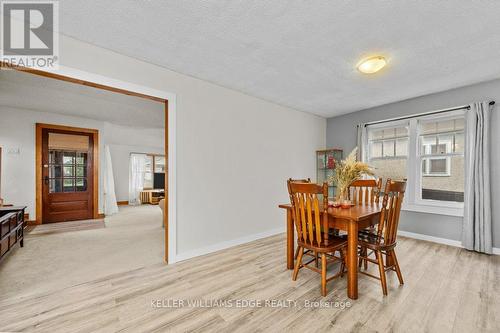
(36, 93)
(303, 53)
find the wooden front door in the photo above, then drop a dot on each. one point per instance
(67, 172)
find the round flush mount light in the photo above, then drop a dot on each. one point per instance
(372, 64)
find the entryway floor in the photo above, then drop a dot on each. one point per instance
(69, 253)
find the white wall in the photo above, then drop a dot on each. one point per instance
(17, 133)
(234, 151)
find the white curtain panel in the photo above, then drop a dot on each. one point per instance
(360, 141)
(477, 233)
(136, 175)
(110, 205)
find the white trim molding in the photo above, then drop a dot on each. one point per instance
(227, 244)
(439, 240)
(450, 211)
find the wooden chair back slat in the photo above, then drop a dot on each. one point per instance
(317, 215)
(310, 224)
(298, 226)
(306, 211)
(365, 191)
(391, 210)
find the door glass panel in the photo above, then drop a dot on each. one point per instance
(55, 171)
(68, 185)
(69, 171)
(81, 171)
(55, 185)
(55, 157)
(81, 158)
(81, 184)
(69, 157)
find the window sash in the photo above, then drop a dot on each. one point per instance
(415, 157)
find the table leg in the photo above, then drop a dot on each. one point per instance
(289, 240)
(352, 260)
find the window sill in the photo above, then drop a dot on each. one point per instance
(439, 210)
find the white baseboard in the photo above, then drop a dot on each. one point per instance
(439, 240)
(226, 244)
(276, 231)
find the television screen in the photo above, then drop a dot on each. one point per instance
(159, 181)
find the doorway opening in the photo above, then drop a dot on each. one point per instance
(60, 184)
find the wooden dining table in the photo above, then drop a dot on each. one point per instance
(347, 219)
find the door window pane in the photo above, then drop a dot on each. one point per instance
(69, 158)
(81, 158)
(55, 157)
(69, 171)
(55, 171)
(81, 184)
(55, 185)
(68, 185)
(81, 171)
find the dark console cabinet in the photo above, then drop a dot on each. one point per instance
(12, 226)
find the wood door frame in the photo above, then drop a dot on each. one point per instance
(38, 166)
(128, 92)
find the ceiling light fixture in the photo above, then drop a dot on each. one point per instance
(372, 64)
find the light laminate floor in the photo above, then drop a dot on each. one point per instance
(446, 289)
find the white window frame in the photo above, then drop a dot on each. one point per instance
(413, 199)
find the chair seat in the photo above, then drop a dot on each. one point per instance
(334, 244)
(373, 241)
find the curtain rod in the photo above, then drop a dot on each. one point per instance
(463, 107)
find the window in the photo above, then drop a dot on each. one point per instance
(153, 164)
(426, 150)
(148, 172)
(159, 164)
(388, 149)
(441, 150)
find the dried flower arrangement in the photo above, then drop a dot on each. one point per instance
(347, 171)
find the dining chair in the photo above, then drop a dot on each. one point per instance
(365, 191)
(311, 222)
(308, 180)
(383, 240)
